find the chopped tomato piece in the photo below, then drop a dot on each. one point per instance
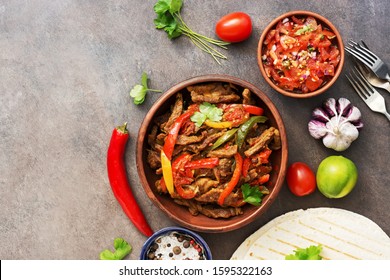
(312, 85)
(328, 34)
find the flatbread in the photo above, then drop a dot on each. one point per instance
(342, 234)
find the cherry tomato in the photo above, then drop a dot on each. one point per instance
(234, 27)
(301, 179)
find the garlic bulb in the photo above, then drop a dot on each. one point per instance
(337, 123)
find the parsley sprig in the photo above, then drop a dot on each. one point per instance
(138, 92)
(170, 20)
(122, 249)
(207, 111)
(252, 195)
(309, 253)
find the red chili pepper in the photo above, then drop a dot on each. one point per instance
(202, 163)
(118, 180)
(234, 180)
(170, 140)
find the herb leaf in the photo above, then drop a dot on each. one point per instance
(169, 19)
(198, 118)
(207, 111)
(303, 30)
(252, 195)
(122, 249)
(161, 6)
(138, 92)
(175, 6)
(310, 253)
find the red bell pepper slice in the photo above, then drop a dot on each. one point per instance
(254, 110)
(203, 163)
(245, 166)
(263, 179)
(234, 181)
(182, 176)
(170, 141)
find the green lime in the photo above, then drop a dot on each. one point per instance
(336, 176)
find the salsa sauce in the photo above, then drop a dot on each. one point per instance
(300, 54)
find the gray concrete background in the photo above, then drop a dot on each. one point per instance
(66, 68)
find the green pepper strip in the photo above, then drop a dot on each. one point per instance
(245, 127)
(224, 138)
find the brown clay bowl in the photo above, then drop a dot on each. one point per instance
(325, 23)
(180, 214)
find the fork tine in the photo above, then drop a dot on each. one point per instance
(363, 50)
(366, 84)
(363, 68)
(359, 56)
(354, 85)
(364, 44)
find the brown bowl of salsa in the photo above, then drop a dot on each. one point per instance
(300, 54)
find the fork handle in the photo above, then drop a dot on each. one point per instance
(387, 115)
(386, 86)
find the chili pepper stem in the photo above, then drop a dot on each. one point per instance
(123, 128)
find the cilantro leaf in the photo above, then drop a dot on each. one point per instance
(138, 92)
(309, 253)
(161, 6)
(122, 249)
(198, 118)
(175, 6)
(207, 111)
(212, 112)
(166, 10)
(252, 195)
(144, 80)
(303, 30)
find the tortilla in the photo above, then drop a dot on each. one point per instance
(342, 234)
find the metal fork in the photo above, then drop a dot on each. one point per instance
(370, 96)
(370, 59)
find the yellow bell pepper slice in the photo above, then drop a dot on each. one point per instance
(218, 124)
(167, 172)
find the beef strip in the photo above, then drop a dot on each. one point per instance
(152, 136)
(205, 184)
(277, 143)
(260, 142)
(233, 199)
(212, 93)
(176, 112)
(187, 140)
(223, 152)
(153, 158)
(197, 148)
(223, 170)
(247, 97)
(255, 173)
(208, 210)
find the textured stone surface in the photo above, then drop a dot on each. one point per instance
(66, 68)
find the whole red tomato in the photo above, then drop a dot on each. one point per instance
(234, 27)
(301, 179)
